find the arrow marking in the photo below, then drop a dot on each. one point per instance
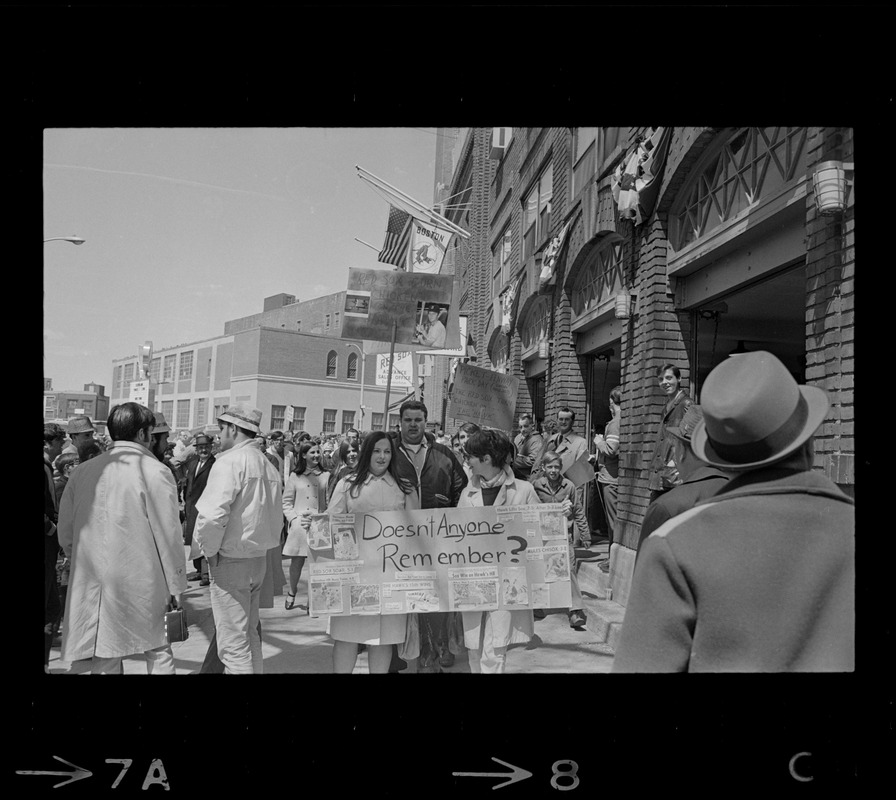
(79, 773)
(516, 774)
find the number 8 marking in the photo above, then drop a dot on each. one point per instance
(570, 771)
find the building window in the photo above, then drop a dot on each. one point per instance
(352, 366)
(501, 263)
(50, 406)
(607, 142)
(298, 325)
(128, 372)
(329, 420)
(278, 417)
(537, 212)
(537, 323)
(118, 374)
(393, 421)
(221, 404)
(376, 421)
(599, 277)
(298, 418)
(327, 318)
(155, 367)
(168, 369)
(336, 320)
(348, 420)
(750, 164)
(200, 412)
(331, 364)
(583, 158)
(168, 410)
(185, 372)
(183, 414)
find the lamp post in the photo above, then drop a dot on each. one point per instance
(72, 239)
(361, 399)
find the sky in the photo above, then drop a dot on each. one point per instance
(187, 228)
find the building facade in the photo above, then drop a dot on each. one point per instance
(61, 406)
(575, 290)
(286, 361)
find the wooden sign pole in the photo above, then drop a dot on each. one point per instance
(389, 377)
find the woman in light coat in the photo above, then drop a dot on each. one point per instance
(119, 524)
(487, 634)
(374, 486)
(302, 496)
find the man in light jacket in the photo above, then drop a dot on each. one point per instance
(238, 519)
(119, 525)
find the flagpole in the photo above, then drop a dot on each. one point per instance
(389, 378)
(367, 244)
(421, 209)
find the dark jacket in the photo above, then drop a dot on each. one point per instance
(442, 478)
(758, 578)
(667, 445)
(194, 486)
(532, 445)
(702, 483)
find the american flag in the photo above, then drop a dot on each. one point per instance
(398, 238)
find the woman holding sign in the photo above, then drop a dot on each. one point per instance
(487, 634)
(373, 486)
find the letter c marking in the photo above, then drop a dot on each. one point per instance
(794, 774)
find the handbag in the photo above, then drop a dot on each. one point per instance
(176, 629)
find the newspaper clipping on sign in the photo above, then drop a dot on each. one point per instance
(447, 559)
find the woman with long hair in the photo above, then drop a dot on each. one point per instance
(304, 494)
(373, 486)
(487, 634)
(345, 459)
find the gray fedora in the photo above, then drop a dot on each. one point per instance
(755, 413)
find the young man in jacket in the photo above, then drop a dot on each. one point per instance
(529, 446)
(761, 576)
(238, 519)
(439, 477)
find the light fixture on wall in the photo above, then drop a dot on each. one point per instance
(626, 302)
(740, 349)
(544, 348)
(829, 182)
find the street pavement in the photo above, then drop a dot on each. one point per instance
(294, 642)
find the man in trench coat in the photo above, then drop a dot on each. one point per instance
(119, 524)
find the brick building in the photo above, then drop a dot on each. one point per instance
(62, 405)
(730, 255)
(287, 355)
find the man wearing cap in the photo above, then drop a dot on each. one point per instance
(274, 452)
(197, 471)
(699, 480)
(238, 519)
(761, 576)
(80, 432)
(432, 333)
(118, 524)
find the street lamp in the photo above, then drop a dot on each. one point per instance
(363, 361)
(72, 239)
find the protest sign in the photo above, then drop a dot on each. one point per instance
(447, 559)
(580, 471)
(484, 397)
(422, 306)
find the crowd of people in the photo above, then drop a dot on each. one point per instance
(127, 511)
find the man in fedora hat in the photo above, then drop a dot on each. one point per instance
(195, 478)
(761, 576)
(80, 432)
(238, 519)
(698, 480)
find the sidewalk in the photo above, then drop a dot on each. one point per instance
(293, 642)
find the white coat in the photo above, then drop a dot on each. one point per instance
(119, 524)
(507, 627)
